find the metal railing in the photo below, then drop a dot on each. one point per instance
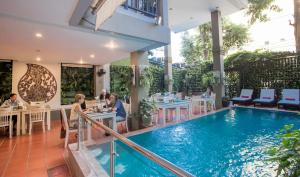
(148, 8)
(148, 154)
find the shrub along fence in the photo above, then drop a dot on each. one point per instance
(120, 80)
(268, 70)
(254, 70)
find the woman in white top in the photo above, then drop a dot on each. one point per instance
(75, 110)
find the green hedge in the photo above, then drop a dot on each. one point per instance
(260, 69)
(5, 80)
(157, 85)
(76, 80)
(120, 80)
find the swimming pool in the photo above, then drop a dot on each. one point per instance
(228, 143)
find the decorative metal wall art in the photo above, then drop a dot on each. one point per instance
(38, 84)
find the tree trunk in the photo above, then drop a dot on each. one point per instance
(297, 24)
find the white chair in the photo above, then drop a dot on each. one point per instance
(267, 97)
(244, 98)
(66, 126)
(37, 103)
(290, 97)
(212, 101)
(36, 115)
(6, 119)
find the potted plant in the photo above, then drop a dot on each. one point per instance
(146, 111)
(225, 101)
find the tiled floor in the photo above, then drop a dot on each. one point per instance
(33, 156)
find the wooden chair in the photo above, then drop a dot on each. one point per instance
(6, 119)
(36, 115)
(127, 108)
(66, 126)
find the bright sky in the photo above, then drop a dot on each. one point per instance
(275, 34)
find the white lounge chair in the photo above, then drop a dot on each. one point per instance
(290, 97)
(267, 97)
(244, 98)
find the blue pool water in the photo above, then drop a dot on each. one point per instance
(228, 143)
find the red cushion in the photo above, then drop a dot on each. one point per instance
(290, 99)
(245, 96)
(266, 97)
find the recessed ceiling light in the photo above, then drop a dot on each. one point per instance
(92, 56)
(81, 61)
(38, 35)
(111, 45)
(38, 58)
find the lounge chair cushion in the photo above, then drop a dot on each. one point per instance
(240, 99)
(289, 102)
(263, 100)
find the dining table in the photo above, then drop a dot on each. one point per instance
(202, 100)
(176, 104)
(100, 116)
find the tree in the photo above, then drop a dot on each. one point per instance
(199, 47)
(257, 10)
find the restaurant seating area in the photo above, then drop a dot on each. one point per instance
(90, 88)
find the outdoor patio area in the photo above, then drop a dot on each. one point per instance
(138, 88)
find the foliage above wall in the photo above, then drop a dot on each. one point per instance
(76, 80)
(261, 69)
(5, 80)
(121, 80)
(157, 83)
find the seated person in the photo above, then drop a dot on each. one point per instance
(83, 106)
(104, 97)
(117, 105)
(209, 92)
(12, 102)
(76, 110)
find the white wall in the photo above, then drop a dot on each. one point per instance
(20, 68)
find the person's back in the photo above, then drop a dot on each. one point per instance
(120, 110)
(76, 109)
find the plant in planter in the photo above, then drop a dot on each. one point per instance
(146, 110)
(225, 101)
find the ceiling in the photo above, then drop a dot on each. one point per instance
(187, 14)
(20, 20)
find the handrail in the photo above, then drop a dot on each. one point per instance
(156, 158)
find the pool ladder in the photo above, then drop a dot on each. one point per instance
(148, 154)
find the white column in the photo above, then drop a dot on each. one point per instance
(218, 55)
(138, 59)
(102, 82)
(168, 68)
